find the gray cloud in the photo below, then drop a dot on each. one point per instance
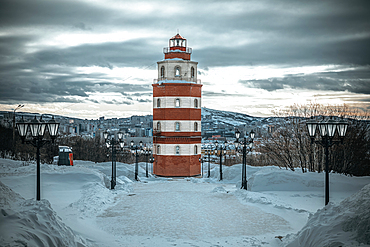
(222, 94)
(107, 55)
(116, 102)
(224, 33)
(15, 13)
(355, 81)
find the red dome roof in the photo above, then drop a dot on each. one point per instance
(177, 36)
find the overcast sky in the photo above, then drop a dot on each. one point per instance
(97, 58)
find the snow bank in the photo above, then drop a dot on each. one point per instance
(269, 178)
(346, 224)
(32, 223)
(272, 178)
(81, 196)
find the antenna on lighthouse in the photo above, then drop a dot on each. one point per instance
(177, 31)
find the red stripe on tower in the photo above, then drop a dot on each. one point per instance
(177, 113)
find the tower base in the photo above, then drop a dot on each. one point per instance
(176, 165)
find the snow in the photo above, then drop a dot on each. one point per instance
(280, 208)
(346, 224)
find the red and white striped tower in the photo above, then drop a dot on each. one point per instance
(177, 113)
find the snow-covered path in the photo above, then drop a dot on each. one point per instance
(78, 208)
(180, 211)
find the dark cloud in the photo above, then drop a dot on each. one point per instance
(107, 55)
(144, 100)
(365, 100)
(289, 52)
(289, 33)
(42, 76)
(36, 13)
(355, 81)
(206, 93)
(117, 102)
(225, 33)
(82, 26)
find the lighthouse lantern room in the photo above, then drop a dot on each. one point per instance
(177, 113)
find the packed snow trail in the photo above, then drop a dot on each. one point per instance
(181, 209)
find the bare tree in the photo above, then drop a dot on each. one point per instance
(290, 145)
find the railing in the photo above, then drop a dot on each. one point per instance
(179, 78)
(167, 50)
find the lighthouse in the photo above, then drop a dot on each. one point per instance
(177, 113)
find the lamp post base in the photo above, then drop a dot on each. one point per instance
(112, 184)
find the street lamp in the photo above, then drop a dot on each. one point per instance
(327, 130)
(222, 149)
(147, 152)
(135, 148)
(208, 152)
(113, 143)
(201, 160)
(37, 130)
(243, 149)
(17, 108)
(151, 160)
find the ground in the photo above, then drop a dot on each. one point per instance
(78, 206)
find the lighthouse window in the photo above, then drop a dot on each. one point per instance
(158, 126)
(162, 71)
(177, 126)
(177, 71)
(177, 103)
(177, 149)
(195, 103)
(158, 103)
(158, 149)
(192, 72)
(195, 126)
(195, 149)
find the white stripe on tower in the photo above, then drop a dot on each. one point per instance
(170, 102)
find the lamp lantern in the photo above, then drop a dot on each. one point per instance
(237, 134)
(53, 127)
(311, 126)
(22, 127)
(120, 135)
(342, 127)
(331, 127)
(105, 135)
(323, 128)
(34, 127)
(42, 128)
(252, 134)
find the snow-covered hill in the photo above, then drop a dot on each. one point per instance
(227, 117)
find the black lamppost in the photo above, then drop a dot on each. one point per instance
(201, 160)
(17, 108)
(135, 148)
(113, 143)
(327, 130)
(222, 149)
(243, 149)
(37, 130)
(208, 152)
(147, 152)
(151, 160)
